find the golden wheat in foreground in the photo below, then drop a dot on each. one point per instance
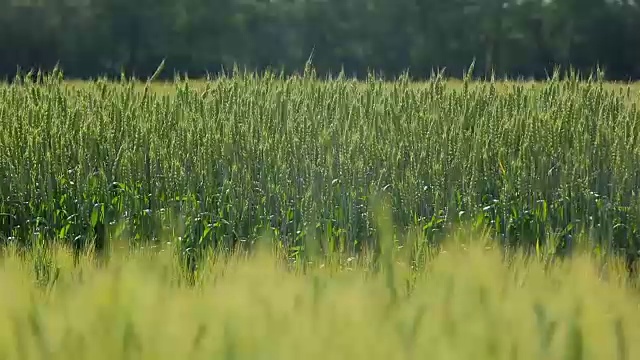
(468, 302)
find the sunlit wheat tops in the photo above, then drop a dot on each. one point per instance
(218, 163)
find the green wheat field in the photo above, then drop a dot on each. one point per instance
(258, 216)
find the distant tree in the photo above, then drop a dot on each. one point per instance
(511, 37)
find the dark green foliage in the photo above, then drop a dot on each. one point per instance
(511, 37)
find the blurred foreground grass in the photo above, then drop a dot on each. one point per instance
(468, 301)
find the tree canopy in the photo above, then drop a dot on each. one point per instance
(515, 38)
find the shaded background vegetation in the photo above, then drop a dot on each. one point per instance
(515, 37)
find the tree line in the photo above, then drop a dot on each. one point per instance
(514, 38)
